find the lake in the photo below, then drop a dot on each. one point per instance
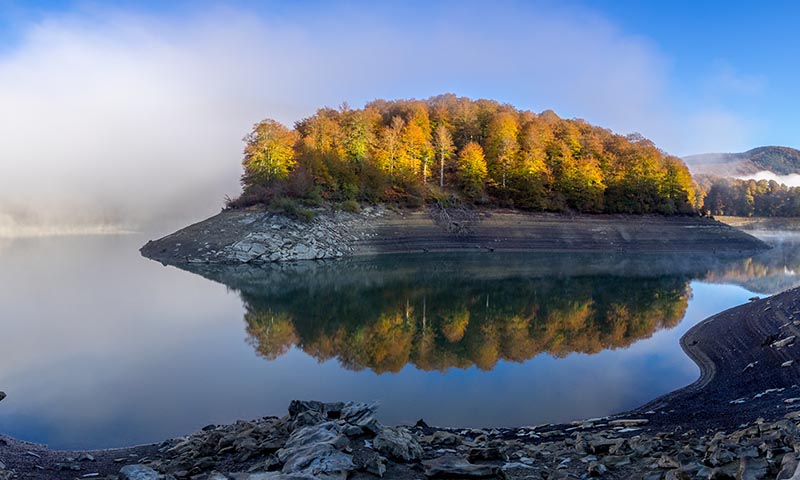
(104, 348)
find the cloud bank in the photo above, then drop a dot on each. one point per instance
(791, 180)
(131, 120)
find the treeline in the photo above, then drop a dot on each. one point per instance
(452, 148)
(748, 198)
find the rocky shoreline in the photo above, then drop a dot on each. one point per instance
(740, 419)
(257, 236)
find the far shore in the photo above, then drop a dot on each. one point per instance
(750, 224)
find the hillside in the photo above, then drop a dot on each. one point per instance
(778, 160)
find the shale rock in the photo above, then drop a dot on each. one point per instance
(398, 443)
(139, 472)
(453, 466)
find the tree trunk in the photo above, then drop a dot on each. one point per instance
(441, 170)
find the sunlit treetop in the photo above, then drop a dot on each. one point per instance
(455, 148)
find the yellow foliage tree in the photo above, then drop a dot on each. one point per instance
(268, 152)
(502, 145)
(472, 171)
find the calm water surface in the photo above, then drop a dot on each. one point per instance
(103, 348)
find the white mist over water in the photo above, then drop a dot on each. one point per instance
(791, 180)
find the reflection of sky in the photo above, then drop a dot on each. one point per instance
(104, 348)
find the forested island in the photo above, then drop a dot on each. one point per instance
(450, 149)
(449, 174)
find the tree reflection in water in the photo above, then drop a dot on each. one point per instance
(464, 322)
(437, 312)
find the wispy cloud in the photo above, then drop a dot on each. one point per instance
(725, 79)
(719, 130)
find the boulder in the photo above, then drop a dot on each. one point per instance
(139, 472)
(486, 454)
(314, 450)
(454, 466)
(398, 443)
(752, 468)
(322, 461)
(446, 438)
(361, 415)
(788, 467)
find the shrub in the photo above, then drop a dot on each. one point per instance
(291, 208)
(351, 206)
(254, 195)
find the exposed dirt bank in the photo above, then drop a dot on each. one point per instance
(256, 236)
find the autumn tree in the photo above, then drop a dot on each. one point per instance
(391, 144)
(502, 145)
(268, 152)
(357, 134)
(444, 148)
(472, 171)
(418, 146)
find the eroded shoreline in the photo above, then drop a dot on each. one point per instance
(747, 388)
(257, 236)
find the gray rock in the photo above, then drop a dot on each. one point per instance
(313, 450)
(628, 422)
(458, 467)
(376, 465)
(398, 443)
(328, 410)
(306, 419)
(486, 454)
(271, 476)
(446, 438)
(361, 415)
(789, 468)
(321, 461)
(596, 469)
(139, 472)
(752, 469)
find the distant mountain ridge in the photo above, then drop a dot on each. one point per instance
(778, 160)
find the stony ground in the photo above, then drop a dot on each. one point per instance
(338, 441)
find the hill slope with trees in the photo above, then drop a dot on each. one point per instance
(450, 149)
(778, 160)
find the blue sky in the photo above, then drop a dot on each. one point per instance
(753, 45)
(732, 57)
(173, 86)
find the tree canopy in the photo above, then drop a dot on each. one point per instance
(748, 198)
(414, 151)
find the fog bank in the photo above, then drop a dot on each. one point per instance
(131, 121)
(791, 180)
